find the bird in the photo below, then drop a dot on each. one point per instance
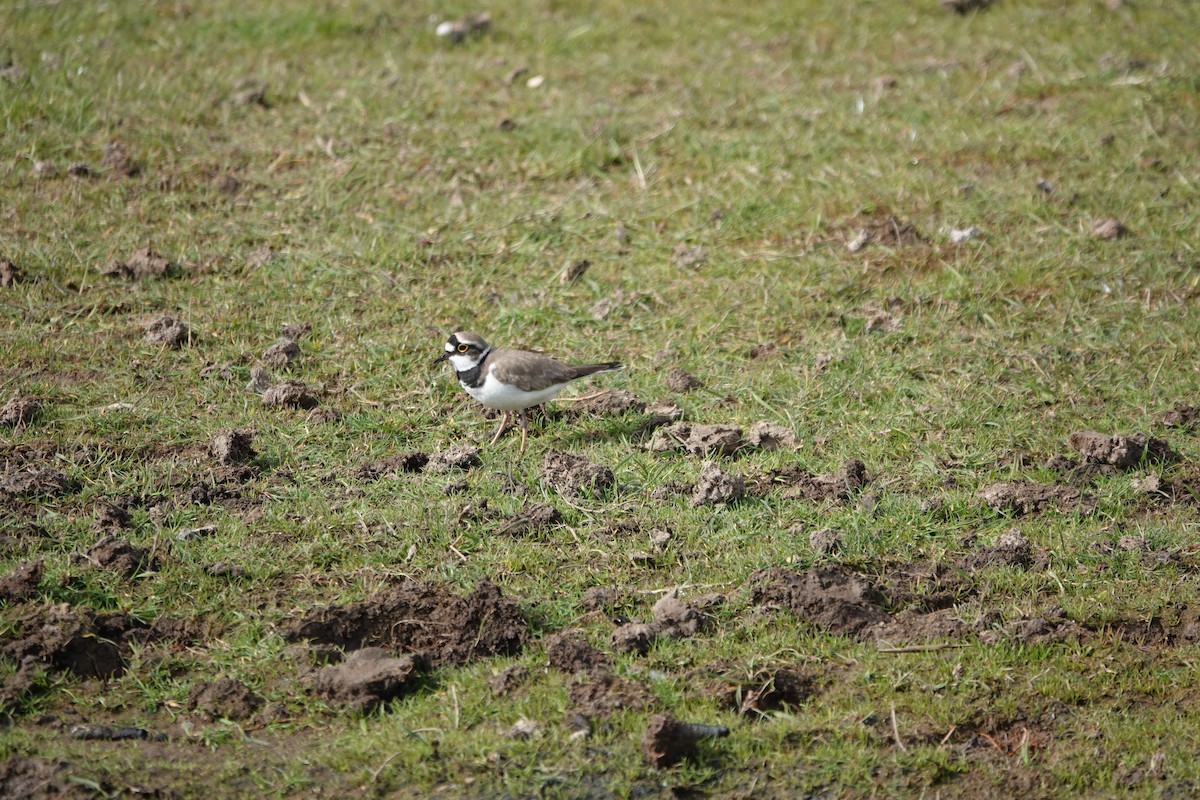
(511, 380)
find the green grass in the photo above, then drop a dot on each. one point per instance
(396, 209)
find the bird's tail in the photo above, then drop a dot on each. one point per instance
(583, 370)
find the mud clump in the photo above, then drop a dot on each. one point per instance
(839, 485)
(600, 693)
(367, 679)
(531, 519)
(111, 517)
(230, 447)
(290, 394)
(609, 402)
(143, 265)
(571, 652)
(771, 436)
(76, 641)
(118, 161)
(462, 457)
(36, 482)
(668, 741)
(421, 618)
(889, 231)
(698, 440)
(675, 618)
(1109, 228)
(22, 583)
(682, 381)
(767, 691)
(119, 556)
(1122, 450)
(827, 597)
(167, 331)
(575, 475)
(10, 274)
(634, 637)
(1012, 548)
(715, 486)
(37, 779)
(282, 353)
(1024, 498)
(826, 540)
(224, 698)
(508, 680)
(1181, 416)
(20, 411)
(413, 462)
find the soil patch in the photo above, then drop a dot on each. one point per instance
(421, 618)
(827, 597)
(698, 440)
(1012, 548)
(799, 483)
(20, 411)
(679, 380)
(771, 436)
(668, 741)
(37, 482)
(1184, 417)
(73, 640)
(10, 274)
(571, 652)
(119, 556)
(145, 264)
(21, 583)
(509, 679)
(367, 678)
(233, 447)
(1024, 497)
(1122, 450)
(887, 230)
(600, 693)
(282, 353)
(608, 402)
(290, 394)
(770, 690)
(390, 465)
(531, 519)
(224, 698)
(167, 331)
(462, 457)
(35, 779)
(571, 474)
(714, 486)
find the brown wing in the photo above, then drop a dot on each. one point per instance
(533, 371)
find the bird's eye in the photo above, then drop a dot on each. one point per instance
(462, 348)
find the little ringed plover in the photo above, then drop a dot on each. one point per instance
(511, 380)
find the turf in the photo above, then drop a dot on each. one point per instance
(339, 164)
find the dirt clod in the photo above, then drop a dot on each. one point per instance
(1121, 450)
(422, 618)
(1012, 548)
(509, 679)
(463, 456)
(571, 652)
(531, 519)
(634, 637)
(224, 698)
(10, 274)
(119, 556)
(282, 353)
(771, 690)
(75, 640)
(290, 394)
(1182, 416)
(828, 597)
(1024, 497)
(572, 474)
(366, 679)
(390, 465)
(675, 618)
(688, 256)
(21, 583)
(117, 160)
(144, 264)
(770, 436)
(679, 380)
(37, 482)
(668, 741)
(224, 569)
(610, 401)
(20, 411)
(698, 440)
(37, 779)
(1109, 228)
(598, 598)
(599, 693)
(826, 540)
(167, 331)
(233, 447)
(260, 381)
(714, 486)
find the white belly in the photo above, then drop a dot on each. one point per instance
(494, 394)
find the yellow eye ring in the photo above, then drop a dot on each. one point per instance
(462, 348)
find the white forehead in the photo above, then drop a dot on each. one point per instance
(449, 347)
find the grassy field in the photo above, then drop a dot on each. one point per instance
(936, 591)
